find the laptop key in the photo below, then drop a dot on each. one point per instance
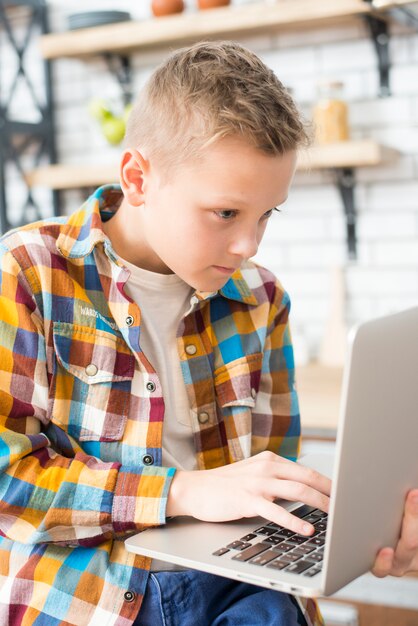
(312, 572)
(291, 557)
(249, 553)
(311, 519)
(220, 552)
(278, 564)
(316, 557)
(264, 530)
(298, 539)
(320, 525)
(285, 533)
(284, 547)
(317, 541)
(303, 510)
(238, 545)
(274, 525)
(299, 567)
(304, 549)
(248, 537)
(273, 540)
(264, 558)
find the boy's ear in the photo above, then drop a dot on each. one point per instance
(133, 170)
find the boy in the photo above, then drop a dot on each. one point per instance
(140, 310)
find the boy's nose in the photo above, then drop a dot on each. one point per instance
(245, 246)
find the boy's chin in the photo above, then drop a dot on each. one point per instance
(211, 287)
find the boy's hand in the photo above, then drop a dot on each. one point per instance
(404, 558)
(247, 489)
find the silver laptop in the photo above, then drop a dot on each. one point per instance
(375, 465)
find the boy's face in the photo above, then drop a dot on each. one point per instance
(209, 217)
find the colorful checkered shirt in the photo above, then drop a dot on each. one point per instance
(80, 455)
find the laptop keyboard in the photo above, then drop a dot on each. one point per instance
(279, 548)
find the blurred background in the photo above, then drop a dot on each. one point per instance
(346, 243)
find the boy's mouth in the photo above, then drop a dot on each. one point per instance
(225, 270)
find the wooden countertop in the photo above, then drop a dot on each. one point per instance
(319, 389)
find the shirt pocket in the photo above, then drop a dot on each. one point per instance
(92, 382)
(236, 383)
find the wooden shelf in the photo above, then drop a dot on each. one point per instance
(345, 154)
(63, 176)
(192, 26)
(361, 153)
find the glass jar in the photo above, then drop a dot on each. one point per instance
(330, 114)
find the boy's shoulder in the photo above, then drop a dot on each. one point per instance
(74, 235)
(33, 237)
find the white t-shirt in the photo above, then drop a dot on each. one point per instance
(163, 300)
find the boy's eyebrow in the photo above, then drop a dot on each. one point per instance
(227, 201)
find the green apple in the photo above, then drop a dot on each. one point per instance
(99, 109)
(114, 129)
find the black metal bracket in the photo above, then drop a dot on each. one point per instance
(346, 182)
(120, 66)
(379, 32)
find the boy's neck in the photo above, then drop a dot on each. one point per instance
(126, 235)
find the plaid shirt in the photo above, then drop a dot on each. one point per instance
(80, 455)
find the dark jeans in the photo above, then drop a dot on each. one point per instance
(192, 598)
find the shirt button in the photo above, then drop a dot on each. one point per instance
(148, 459)
(203, 417)
(191, 349)
(150, 386)
(91, 370)
(253, 392)
(129, 596)
(129, 320)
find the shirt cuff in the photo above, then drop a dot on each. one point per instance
(140, 498)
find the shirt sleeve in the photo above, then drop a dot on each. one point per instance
(277, 406)
(44, 495)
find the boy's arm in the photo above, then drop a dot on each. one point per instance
(248, 488)
(45, 496)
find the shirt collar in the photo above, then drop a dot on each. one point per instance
(83, 231)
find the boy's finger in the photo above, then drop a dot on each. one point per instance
(295, 491)
(290, 470)
(409, 531)
(280, 516)
(310, 477)
(384, 563)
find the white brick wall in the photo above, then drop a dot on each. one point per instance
(308, 238)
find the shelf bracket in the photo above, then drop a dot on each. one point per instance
(379, 32)
(346, 182)
(120, 66)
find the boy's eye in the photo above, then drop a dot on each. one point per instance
(270, 212)
(228, 214)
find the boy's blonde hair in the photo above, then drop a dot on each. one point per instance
(208, 91)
